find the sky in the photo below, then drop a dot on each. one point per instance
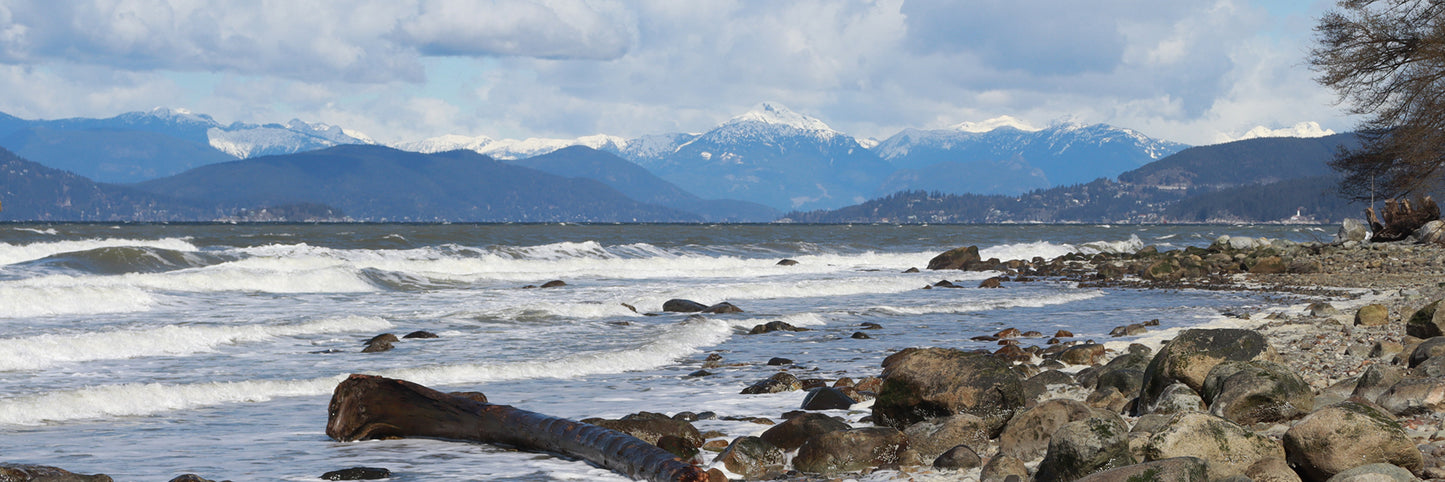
(1197, 72)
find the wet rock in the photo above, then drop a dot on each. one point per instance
(1013, 353)
(1372, 315)
(384, 337)
(420, 334)
(827, 398)
(722, 308)
(1189, 357)
(1086, 354)
(870, 326)
(378, 346)
(1063, 334)
(919, 384)
(911, 270)
(753, 458)
(1427, 322)
(1347, 435)
(1414, 396)
(791, 434)
(700, 373)
(957, 258)
(1226, 447)
(993, 282)
(358, 473)
(775, 361)
(1321, 309)
(851, 450)
(773, 326)
(1375, 473)
(931, 438)
(1026, 436)
(556, 283)
(1128, 330)
(945, 284)
(25, 473)
(1002, 467)
(787, 262)
(1256, 392)
(178, 478)
(858, 335)
(780, 382)
(1008, 333)
(1178, 469)
(958, 458)
(677, 305)
(1084, 447)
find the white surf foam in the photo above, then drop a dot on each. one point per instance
(15, 253)
(787, 289)
(134, 399)
(972, 306)
(42, 351)
(65, 295)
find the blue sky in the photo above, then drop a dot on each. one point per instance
(399, 70)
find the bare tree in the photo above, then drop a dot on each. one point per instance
(1386, 60)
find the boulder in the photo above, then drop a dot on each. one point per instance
(1027, 434)
(772, 326)
(1256, 392)
(1086, 354)
(791, 434)
(827, 398)
(1176, 398)
(1427, 322)
(919, 384)
(1432, 232)
(1128, 330)
(958, 458)
(420, 334)
(25, 473)
(931, 438)
(752, 458)
(787, 262)
(358, 473)
(1124, 380)
(556, 283)
(779, 382)
(1372, 315)
(1180, 469)
(378, 346)
(722, 308)
(1001, 467)
(957, 258)
(1375, 472)
(676, 305)
(1376, 380)
(183, 478)
(851, 451)
(994, 282)
(1321, 309)
(1347, 435)
(1188, 358)
(1226, 447)
(1352, 230)
(1084, 447)
(1273, 469)
(1413, 396)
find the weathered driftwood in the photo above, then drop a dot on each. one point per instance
(371, 407)
(1401, 219)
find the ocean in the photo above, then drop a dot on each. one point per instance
(144, 351)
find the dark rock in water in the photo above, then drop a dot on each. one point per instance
(1032, 334)
(752, 457)
(827, 398)
(686, 417)
(1128, 330)
(722, 308)
(788, 262)
(478, 397)
(958, 458)
(994, 282)
(957, 258)
(1063, 334)
(1008, 333)
(858, 335)
(421, 334)
(772, 326)
(867, 325)
(378, 346)
(386, 337)
(178, 478)
(629, 307)
(791, 434)
(358, 473)
(1153, 322)
(923, 383)
(25, 473)
(556, 283)
(851, 450)
(911, 270)
(945, 284)
(811, 383)
(984, 338)
(683, 306)
(781, 382)
(529, 287)
(775, 361)
(678, 446)
(700, 373)
(713, 360)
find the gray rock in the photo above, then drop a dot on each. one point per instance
(919, 384)
(1426, 350)
(1176, 398)
(1084, 447)
(358, 473)
(1181, 469)
(1347, 435)
(1428, 322)
(1321, 309)
(1272, 469)
(1375, 472)
(1413, 396)
(1256, 392)
(958, 458)
(1377, 379)
(1432, 232)
(1026, 436)
(931, 438)
(1352, 229)
(752, 457)
(1001, 468)
(851, 451)
(1189, 357)
(682, 306)
(1228, 448)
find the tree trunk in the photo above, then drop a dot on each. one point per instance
(1401, 218)
(372, 407)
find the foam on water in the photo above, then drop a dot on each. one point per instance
(135, 399)
(35, 352)
(65, 295)
(11, 253)
(971, 306)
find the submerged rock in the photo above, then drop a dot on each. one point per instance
(677, 305)
(358, 473)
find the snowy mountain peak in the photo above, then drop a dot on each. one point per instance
(996, 123)
(777, 114)
(1303, 129)
(177, 116)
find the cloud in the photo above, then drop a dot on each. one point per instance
(553, 29)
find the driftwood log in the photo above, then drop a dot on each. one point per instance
(1401, 219)
(372, 407)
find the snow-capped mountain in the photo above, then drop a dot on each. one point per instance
(137, 146)
(1066, 153)
(511, 149)
(1304, 130)
(776, 157)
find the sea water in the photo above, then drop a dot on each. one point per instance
(145, 351)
